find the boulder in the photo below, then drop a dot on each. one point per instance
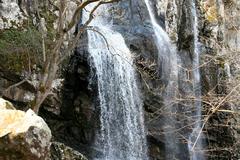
(5, 104)
(23, 135)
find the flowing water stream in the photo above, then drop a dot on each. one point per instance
(168, 62)
(122, 134)
(168, 71)
(195, 139)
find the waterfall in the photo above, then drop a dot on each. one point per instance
(195, 138)
(168, 62)
(168, 71)
(122, 135)
(167, 58)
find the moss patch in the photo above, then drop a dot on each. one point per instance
(20, 49)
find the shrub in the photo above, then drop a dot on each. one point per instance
(20, 49)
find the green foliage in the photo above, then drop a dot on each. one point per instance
(20, 49)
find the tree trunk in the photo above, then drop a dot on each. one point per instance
(45, 85)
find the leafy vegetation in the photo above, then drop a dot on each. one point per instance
(20, 49)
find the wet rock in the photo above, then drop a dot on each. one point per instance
(60, 151)
(23, 135)
(74, 118)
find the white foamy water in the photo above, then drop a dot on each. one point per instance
(195, 145)
(122, 135)
(168, 71)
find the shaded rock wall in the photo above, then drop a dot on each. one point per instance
(218, 78)
(73, 117)
(133, 22)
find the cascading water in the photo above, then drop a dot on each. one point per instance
(122, 135)
(168, 62)
(167, 57)
(195, 145)
(168, 65)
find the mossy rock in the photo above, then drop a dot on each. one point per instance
(61, 151)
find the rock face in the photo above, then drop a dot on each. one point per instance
(14, 19)
(219, 40)
(73, 116)
(23, 135)
(132, 20)
(61, 152)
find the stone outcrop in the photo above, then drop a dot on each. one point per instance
(14, 19)
(23, 135)
(73, 116)
(219, 29)
(61, 151)
(132, 20)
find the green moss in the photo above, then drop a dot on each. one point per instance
(20, 49)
